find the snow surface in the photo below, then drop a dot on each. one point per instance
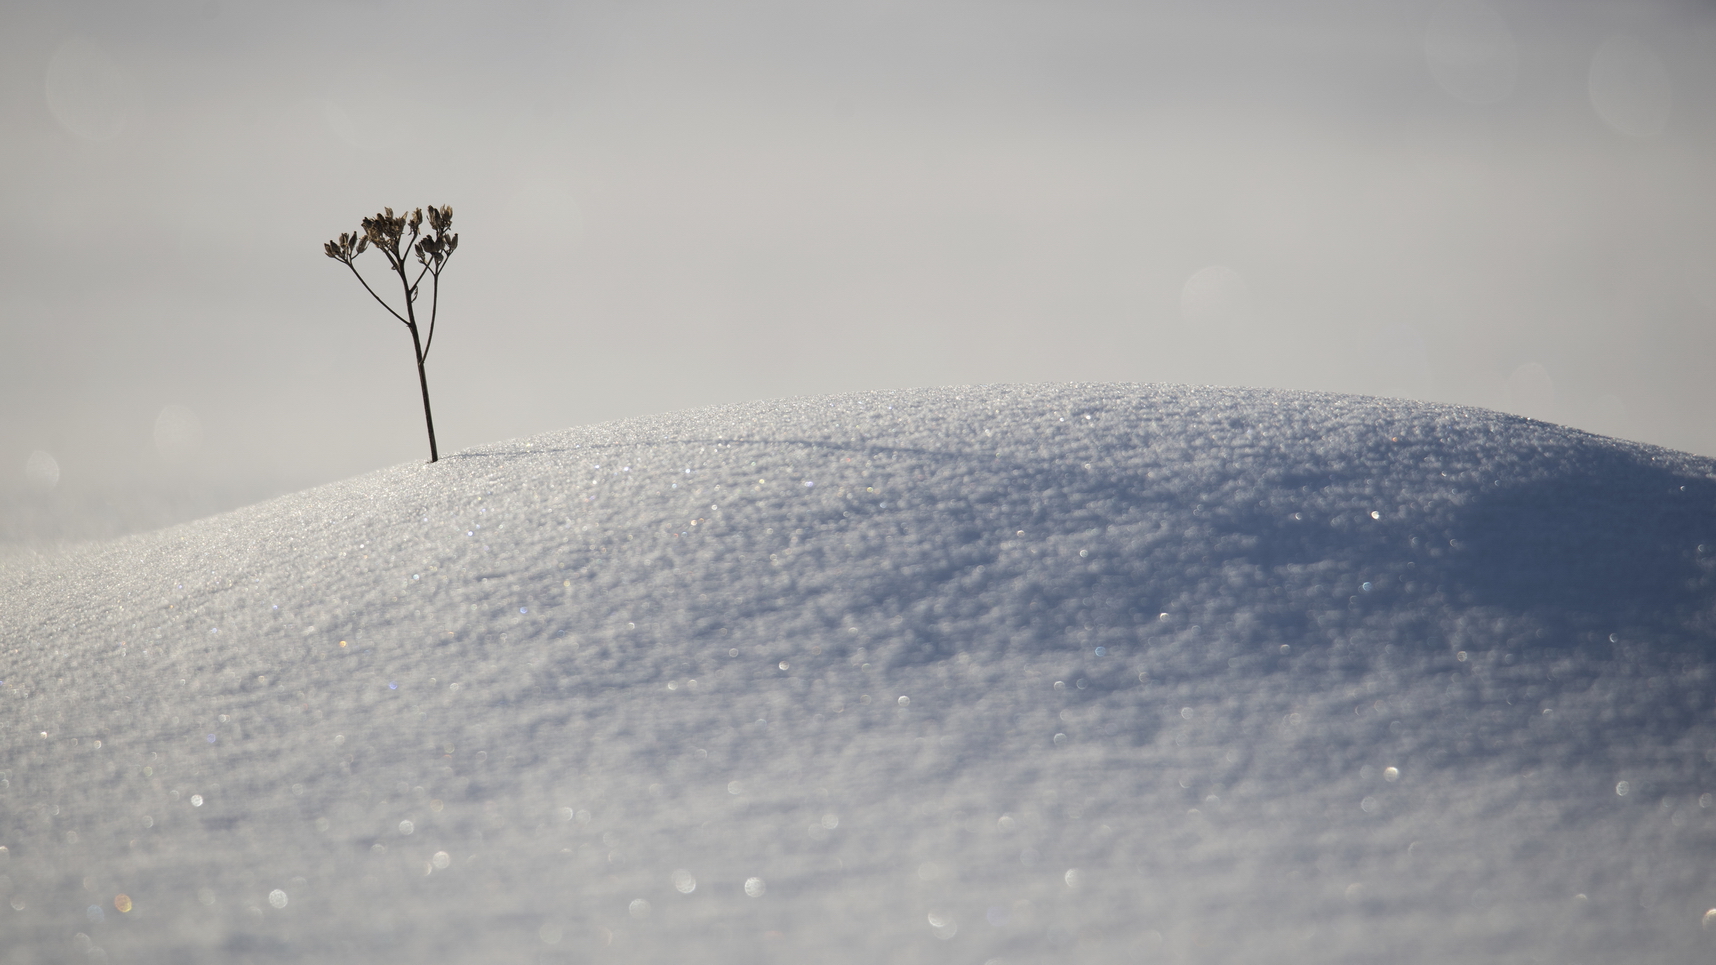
(1088, 673)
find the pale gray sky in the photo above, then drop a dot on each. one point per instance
(664, 204)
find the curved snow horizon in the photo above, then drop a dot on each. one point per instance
(1008, 674)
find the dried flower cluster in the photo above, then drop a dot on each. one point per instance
(394, 236)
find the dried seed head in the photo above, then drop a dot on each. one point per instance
(348, 246)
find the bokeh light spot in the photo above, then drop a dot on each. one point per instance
(1630, 88)
(88, 94)
(1217, 296)
(42, 471)
(178, 433)
(1471, 51)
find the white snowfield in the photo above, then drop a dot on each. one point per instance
(1067, 673)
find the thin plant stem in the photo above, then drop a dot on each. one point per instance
(417, 350)
(434, 307)
(373, 295)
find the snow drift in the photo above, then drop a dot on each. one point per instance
(1102, 673)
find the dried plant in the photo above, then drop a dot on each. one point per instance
(389, 235)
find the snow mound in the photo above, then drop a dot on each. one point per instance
(1088, 673)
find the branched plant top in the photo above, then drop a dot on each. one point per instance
(387, 233)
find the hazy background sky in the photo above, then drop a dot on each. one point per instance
(666, 204)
